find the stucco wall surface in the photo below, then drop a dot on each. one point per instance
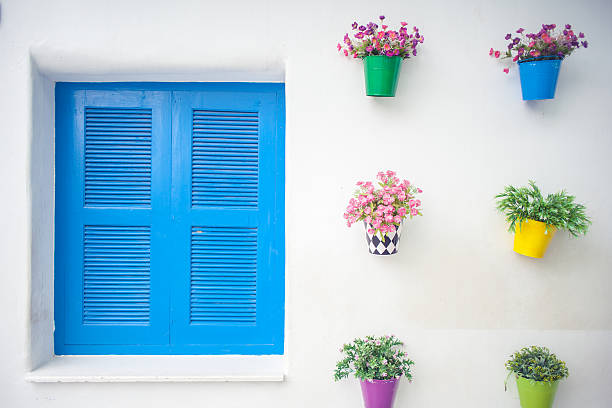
(456, 293)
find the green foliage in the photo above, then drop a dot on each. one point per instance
(374, 359)
(557, 210)
(538, 364)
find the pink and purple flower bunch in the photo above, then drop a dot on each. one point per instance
(369, 40)
(548, 43)
(384, 208)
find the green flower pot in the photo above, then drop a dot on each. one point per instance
(381, 74)
(536, 394)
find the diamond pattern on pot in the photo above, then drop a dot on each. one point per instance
(388, 246)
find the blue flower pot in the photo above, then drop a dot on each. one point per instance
(539, 78)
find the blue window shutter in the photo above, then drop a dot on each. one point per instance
(228, 209)
(113, 177)
(169, 219)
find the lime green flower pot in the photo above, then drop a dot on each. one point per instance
(536, 394)
(381, 74)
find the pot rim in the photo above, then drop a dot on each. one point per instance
(549, 226)
(381, 56)
(373, 380)
(544, 58)
(530, 380)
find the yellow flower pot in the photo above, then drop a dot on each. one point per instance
(531, 238)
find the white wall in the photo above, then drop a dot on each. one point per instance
(456, 293)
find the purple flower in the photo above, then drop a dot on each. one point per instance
(369, 32)
(389, 53)
(568, 27)
(359, 35)
(508, 36)
(362, 28)
(414, 53)
(516, 41)
(520, 30)
(381, 17)
(354, 25)
(581, 35)
(585, 44)
(369, 48)
(510, 46)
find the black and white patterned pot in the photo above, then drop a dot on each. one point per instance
(388, 246)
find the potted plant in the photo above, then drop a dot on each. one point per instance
(383, 210)
(381, 50)
(378, 363)
(539, 57)
(538, 218)
(537, 373)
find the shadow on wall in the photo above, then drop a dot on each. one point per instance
(42, 156)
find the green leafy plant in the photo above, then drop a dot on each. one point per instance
(374, 358)
(557, 210)
(538, 364)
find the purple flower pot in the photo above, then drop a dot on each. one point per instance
(379, 393)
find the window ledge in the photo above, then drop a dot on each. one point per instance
(159, 369)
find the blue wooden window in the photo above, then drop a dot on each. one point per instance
(169, 234)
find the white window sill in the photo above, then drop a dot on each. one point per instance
(159, 369)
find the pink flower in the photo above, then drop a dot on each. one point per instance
(412, 203)
(515, 58)
(491, 51)
(339, 47)
(497, 54)
(389, 218)
(367, 210)
(346, 53)
(359, 183)
(506, 70)
(386, 47)
(414, 211)
(384, 27)
(401, 211)
(371, 231)
(397, 219)
(419, 190)
(403, 23)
